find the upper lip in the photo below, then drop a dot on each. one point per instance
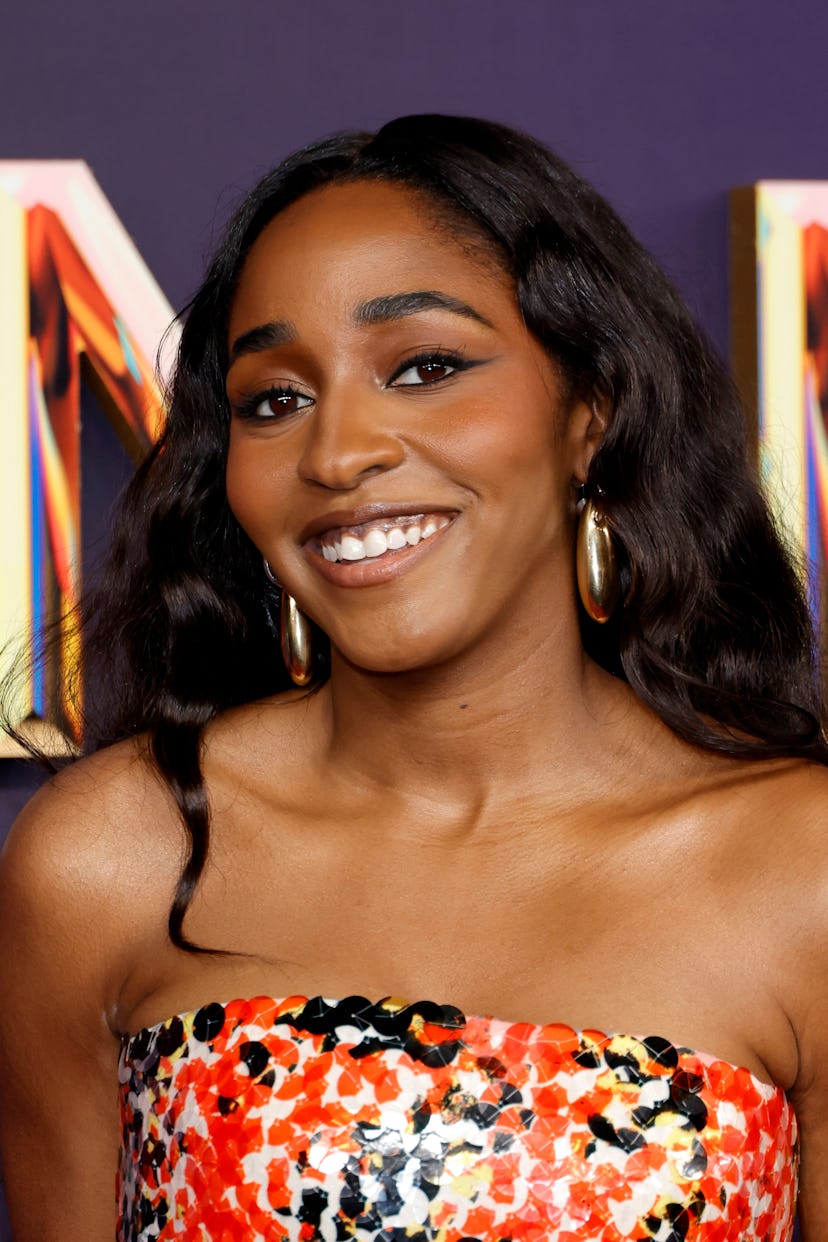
(338, 518)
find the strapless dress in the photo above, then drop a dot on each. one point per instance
(300, 1119)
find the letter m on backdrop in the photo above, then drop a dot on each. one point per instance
(77, 306)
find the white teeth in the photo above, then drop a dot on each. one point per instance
(375, 543)
(353, 549)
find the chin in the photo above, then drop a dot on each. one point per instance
(398, 657)
(390, 664)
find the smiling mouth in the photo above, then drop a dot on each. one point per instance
(381, 538)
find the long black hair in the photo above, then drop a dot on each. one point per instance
(714, 635)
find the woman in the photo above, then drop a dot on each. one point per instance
(417, 358)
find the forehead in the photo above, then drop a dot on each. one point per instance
(348, 243)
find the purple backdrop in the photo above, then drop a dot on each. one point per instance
(178, 105)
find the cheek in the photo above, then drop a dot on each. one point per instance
(502, 442)
(253, 486)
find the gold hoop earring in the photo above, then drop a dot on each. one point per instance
(295, 634)
(297, 640)
(599, 582)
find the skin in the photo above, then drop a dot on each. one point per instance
(470, 810)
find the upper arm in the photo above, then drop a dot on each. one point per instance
(804, 967)
(58, 1058)
(812, 1113)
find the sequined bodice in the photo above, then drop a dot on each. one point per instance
(297, 1119)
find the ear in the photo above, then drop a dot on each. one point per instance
(588, 423)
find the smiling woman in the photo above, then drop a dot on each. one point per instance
(363, 733)
(431, 414)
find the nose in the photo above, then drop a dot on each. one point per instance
(347, 440)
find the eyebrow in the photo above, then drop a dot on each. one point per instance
(398, 305)
(379, 310)
(266, 336)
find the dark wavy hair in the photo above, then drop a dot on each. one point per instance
(714, 636)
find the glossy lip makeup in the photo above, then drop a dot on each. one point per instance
(374, 544)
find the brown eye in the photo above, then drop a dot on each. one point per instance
(418, 372)
(282, 401)
(433, 370)
(273, 404)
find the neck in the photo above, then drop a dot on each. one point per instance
(508, 716)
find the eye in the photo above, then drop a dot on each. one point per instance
(426, 369)
(275, 403)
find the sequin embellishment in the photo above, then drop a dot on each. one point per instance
(300, 1120)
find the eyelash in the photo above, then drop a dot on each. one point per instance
(248, 407)
(433, 357)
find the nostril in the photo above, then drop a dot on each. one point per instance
(343, 473)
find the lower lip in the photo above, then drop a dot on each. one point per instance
(374, 570)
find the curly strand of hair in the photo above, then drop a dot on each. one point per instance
(175, 748)
(716, 718)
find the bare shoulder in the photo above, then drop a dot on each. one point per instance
(791, 813)
(774, 833)
(91, 820)
(788, 804)
(106, 835)
(784, 847)
(801, 784)
(75, 871)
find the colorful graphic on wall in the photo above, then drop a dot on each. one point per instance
(77, 305)
(779, 249)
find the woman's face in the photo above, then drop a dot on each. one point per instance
(402, 451)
